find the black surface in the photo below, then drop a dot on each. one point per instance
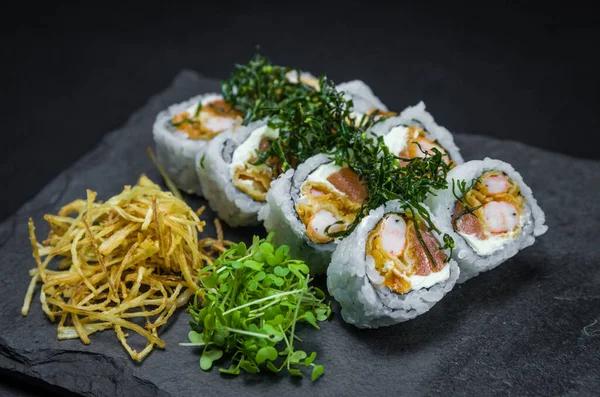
(529, 327)
(525, 71)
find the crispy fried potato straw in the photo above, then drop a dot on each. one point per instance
(133, 257)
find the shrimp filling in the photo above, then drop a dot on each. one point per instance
(493, 218)
(329, 200)
(247, 174)
(206, 119)
(401, 259)
(411, 142)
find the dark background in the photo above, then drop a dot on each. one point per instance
(73, 73)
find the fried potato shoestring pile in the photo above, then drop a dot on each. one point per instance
(133, 257)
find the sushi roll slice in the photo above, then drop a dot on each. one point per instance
(381, 274)
(491, 213)
(306, 205)
(183, 131)
(233, 181)
(364, 100)
(414, 133)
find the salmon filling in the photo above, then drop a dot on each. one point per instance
(412, 142)
(248, 176)
(206, 120)
(401, 259)
(330, 198)
(497, 203)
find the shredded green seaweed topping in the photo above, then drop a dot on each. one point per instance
(259, 87)
(312, 124)
(463, 189)
(314, 121)
(307, 119)
(421, 214)
(252, 299)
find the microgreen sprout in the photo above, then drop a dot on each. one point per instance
(248, 306)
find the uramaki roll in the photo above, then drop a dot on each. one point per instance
(306, 205)
(183, 131)
(491, 213)
(414, 133)
(390, 269)
(233, 182)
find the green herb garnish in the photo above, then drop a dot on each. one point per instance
(248, 306)
(307, 119)
(312, 124)
(259, 85)
(463, 189)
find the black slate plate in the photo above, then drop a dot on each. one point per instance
(530, 327)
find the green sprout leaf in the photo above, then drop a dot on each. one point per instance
(297, 356)
(266, 353)
(210, 322)
(253, 264)
(317, 372)
(249, 367)
(232, 370)
(208, 357)
(310, 359)
(196, 337)
(281, 271)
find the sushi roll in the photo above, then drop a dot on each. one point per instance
(234, 184)
(491, 213)
(306, 205)
(414, 132)
(381, 274)
(183, 131)
(364, 100)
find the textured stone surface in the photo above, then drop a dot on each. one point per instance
(517, 330)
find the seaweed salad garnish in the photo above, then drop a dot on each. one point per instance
(313, 121)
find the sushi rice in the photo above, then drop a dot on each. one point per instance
(354, 281)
